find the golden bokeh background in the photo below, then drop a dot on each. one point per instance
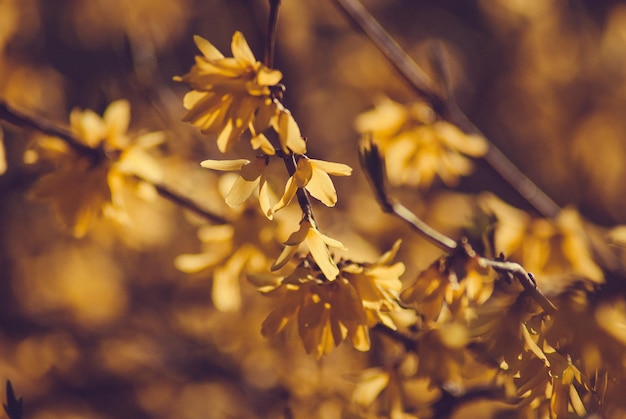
(106, 327)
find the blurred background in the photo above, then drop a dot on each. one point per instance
(106, 327)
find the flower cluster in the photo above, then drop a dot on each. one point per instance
(556, 250)
(418, 146)
(233, 95)
(328, 312)
(90, 176)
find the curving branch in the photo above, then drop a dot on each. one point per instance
(45, 126)
(444, 104)
(374, 166)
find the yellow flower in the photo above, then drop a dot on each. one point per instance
(318, 247)
(459, 281)
(555, 251)
(313, 176)
(328, 312)
(229, 252)
(232, 95)
(87, 180)
(378, 285)
(251, 176)
(418, 147)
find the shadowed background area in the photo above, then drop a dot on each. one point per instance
(106, 327)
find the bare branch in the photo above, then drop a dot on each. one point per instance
(446, 106)
(374, 166)
(525, 279)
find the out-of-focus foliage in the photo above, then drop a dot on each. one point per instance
(156, 311)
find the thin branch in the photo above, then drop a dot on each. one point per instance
(187, 203)
(408, 343)
(23, 120)
(445, 106)
(45, 126)
(270, 41)
(13, 405)
(289, 159)
(525, 279)
(395, 54)
(374, 167)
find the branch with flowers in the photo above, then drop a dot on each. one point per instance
(471, 325)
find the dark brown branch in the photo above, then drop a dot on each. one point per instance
(374, 167)
(270, 41)
(13, 405)
(525, 279)
(409, 344)
(445, 105)
(407, 68)
(23, 120)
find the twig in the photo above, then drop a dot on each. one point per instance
(270, 42)
(408, 343)
(525, 279)
(445, 106)
(289, 159)
(13, 406)
(374, 166)
(23, 120)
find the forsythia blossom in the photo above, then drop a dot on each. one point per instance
(232, 95)
(555, 251)
(317, 243)
(417, 146)
(328, 312)
(86, 181)
(251, 176)
(313, 176)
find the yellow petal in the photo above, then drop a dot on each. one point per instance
(241, 190)
(207, 48)
(224, 165)
(192, 263)
(289, 134)
(370, 385)
(321, 254)
(88, 126)
(241, 50)
(268, 77)
(264, 199)
(117, 117)
(226, 291)
(335, 169)
(137, 162)
(290, 191)
(261, 141)
(284, 257)
(321, 187)
(151, 139)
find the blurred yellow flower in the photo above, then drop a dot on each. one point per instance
(313, 176)
(251, 176)
(555, 250)
(417, 146)
(328, 312)
(229, 253)
(232, 95)
(89, 180)
(317, 243)
(459, 281)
